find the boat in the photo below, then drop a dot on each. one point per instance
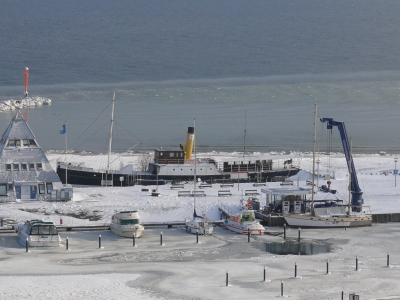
(245, 221)
(198, 224)
(331, 213)
(126, 224)
(79, 174)
(38, 233)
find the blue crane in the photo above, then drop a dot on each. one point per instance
(356, 192)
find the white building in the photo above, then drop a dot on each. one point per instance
(25, 171)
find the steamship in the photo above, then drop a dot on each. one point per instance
(178, 165)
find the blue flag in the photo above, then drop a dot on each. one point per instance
(64, 129)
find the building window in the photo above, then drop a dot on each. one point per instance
(41, 188)
(31, 167)
(49, 187)
(16, 167)
(8, 167)
(39, 166)
(3, 189)
(24, 167)
(10, 186)
(171, 154)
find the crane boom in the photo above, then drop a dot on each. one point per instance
(355, 190)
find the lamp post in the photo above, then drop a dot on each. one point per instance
(395, 170)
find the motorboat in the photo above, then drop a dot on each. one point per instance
(126, 224)
(38, 233)
(245, 221)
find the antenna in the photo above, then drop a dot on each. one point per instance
(26, 75)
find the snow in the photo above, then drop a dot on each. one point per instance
(183, 269)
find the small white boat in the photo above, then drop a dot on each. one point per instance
(245, 221)
(126, 223)
(39, 233)
(199, 225)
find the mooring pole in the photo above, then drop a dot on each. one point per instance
(342, 295)
(265, 273)
(299, 234)
(226, 278)
(134, 240)
(66, 243)
(284, 231)
(387, 260)
(281, 288)
(295, 270)
(327, 267)
(26, 244)
(99, 241)
(161, 238)
(197, 236)
(248, 235)
(356, 263)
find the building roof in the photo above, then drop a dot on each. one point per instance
(20, 151)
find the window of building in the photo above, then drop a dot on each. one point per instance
(17, 143)
(16, 167)
(171, 154)
(41, 188)
(49, 187)
(10, 186)
(3, 189)
(39, 166)
(24, 167)
(8, 167)
(31, 167)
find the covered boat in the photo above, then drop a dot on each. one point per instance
(38, 233)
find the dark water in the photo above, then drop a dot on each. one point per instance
(219, 62)
(295, 248)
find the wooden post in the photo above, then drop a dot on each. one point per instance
(248, 235)
(197, 236)
(26, 244)
(281, 288)
(264, 273)
(161, 238)
(295, 270)
(327, 267)
(66, 243)
(99, 241)
(226, 278)
(356, 263)
(134, 240)
(387, 260)
(299, 234)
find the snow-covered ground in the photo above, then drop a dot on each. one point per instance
(182, 269)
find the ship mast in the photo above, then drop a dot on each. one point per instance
(195, 164)
(111, 131)
(313, 161)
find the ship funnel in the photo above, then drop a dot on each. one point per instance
(189, 143)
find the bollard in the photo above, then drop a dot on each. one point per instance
(161, 238)
(295, 270)
(133, 240)
(299, 234)
(327, 267)
(248, 235)
(281, 288)
(197, 236)
(26, 244)
(387, 260)
(356, 263)
(284, 231)
(264, 274)
(99, 241)
(66, 243)
(226, 278)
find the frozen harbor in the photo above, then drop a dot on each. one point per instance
(183, 269)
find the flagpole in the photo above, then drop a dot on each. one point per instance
(66, 164)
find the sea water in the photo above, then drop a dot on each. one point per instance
(249, 74)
